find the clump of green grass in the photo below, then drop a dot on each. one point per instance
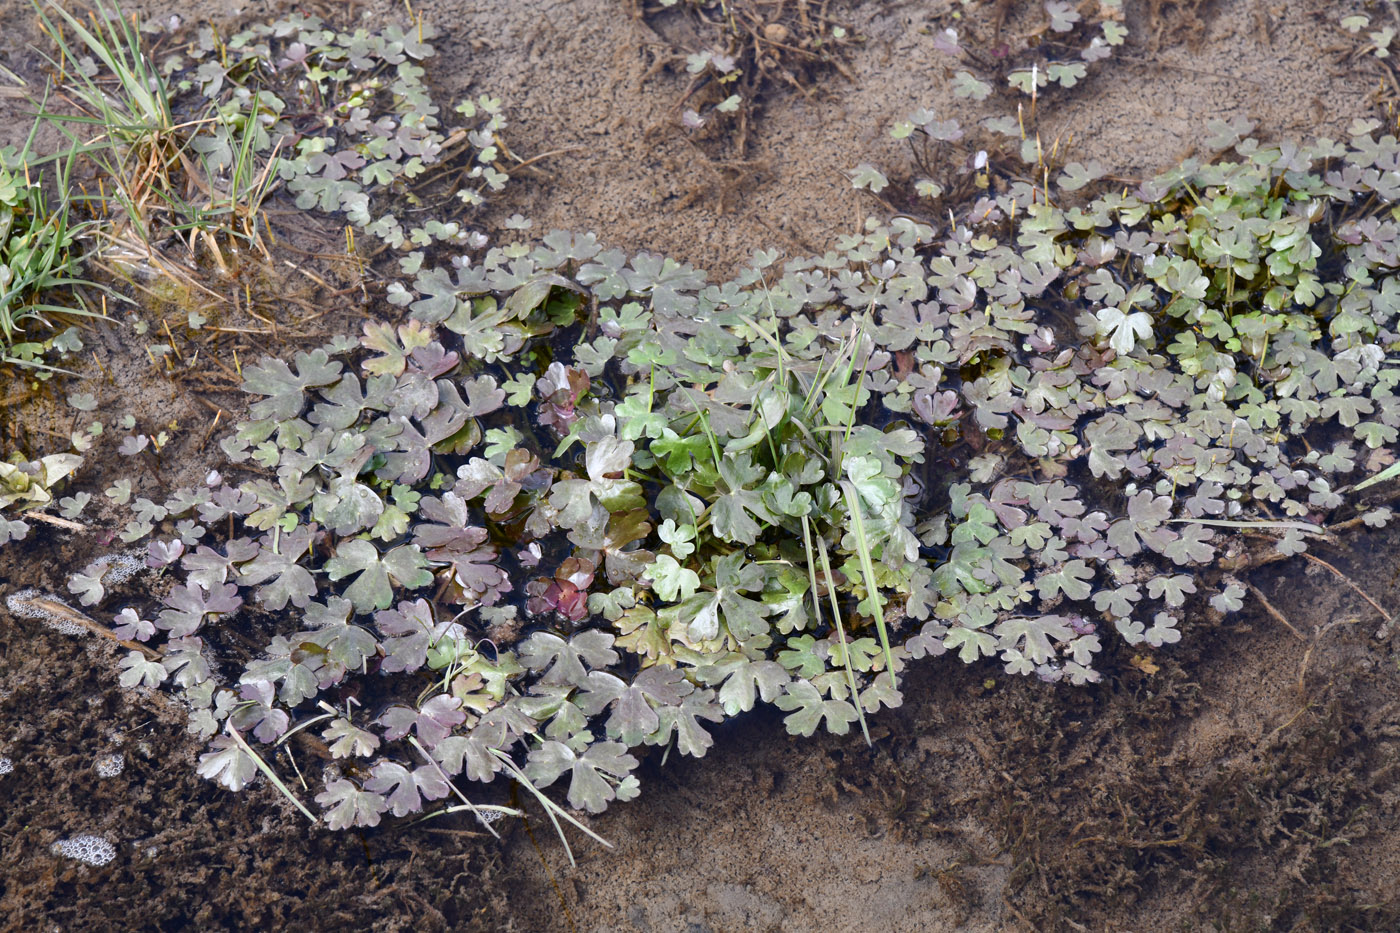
(124, 120)
(37, 256)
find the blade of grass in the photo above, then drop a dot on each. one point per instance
(271, 775)
(867, 569)
(1389, 472)
(819, 385)
(1307, 527)
(476, 808)
(773, 342)
(836, 615)
(550, 807)
(121, 52)
(460, 796)
(704, 423)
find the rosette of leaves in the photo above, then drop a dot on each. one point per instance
(1020, 386)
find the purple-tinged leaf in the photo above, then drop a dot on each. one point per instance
(447, 538)
(346, 805)
(589, 789)
(190, 605)
(407, 789)
(129, 625)
(347, 739)
(473, 752)
(277, 572)
(563, 662)
(409, 630)
(298, 681)
(184, 660)
(433, 721)
(161, 553)
(227, 763)
(598, 690)
(138, 670)
(267, 723)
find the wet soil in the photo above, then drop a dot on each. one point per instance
(1244, 779)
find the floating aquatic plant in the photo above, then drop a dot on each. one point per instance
(1012, 441)
(575, 503)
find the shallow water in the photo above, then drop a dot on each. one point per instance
(1245, 778)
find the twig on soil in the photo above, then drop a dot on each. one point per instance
(213, 426)
(214, 406)
(1307, 655)
(247, 306)
(207, 382)
(1291, 720)
(1349, 523)
(69, 614)
(1269, 607)
(542, 156)
(105, 372)
(1348, 581)
(209, 355)
(287, 750)
(310, 275)
(56, 521)
(173, 347)
(264, 331)
(442, 830)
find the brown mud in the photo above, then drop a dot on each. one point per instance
(1244, 779)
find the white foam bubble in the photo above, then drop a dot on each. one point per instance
(91, 850)
(23, 603)
(124, 566)
(109, 766)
